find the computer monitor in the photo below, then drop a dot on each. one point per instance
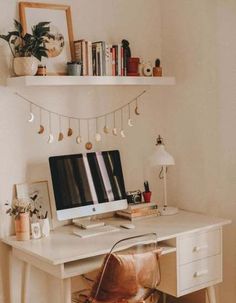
(87, 184)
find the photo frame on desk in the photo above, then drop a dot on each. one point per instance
(60, 41)
(38, 194)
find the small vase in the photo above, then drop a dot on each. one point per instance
(45, 227)
(25, 66)
(22, 227)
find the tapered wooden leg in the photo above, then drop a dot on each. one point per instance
(211, 294)
(25, 283)
(66, 290)
(10, 277)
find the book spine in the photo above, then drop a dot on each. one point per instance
(119, 60)
(103, 58)
(89, 58)
(122, 61)
(94, 61)
(113, 61)
(78, 50)
(84, 58)
(136, 210)
(108, 60)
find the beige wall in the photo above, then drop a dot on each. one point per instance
(24, 154)
(199, 48)
(196, 39)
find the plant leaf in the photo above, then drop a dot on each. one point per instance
(18, 26)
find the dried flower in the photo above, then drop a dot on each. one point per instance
(20, 206)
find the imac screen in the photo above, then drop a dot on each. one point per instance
(87, 179)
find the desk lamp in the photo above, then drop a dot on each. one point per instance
(162, 158)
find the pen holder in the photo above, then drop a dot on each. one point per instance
(147, 196)
(45, 227)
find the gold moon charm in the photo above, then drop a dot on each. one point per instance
(98, 137)
(31, 117)
(50, 138)
(122, 133)
(41, 129)
(114, 131)
(78, 139)
(70, 132)
(88, 145)
(60, 136)
(130, 122)
(106, 129)
(136, 111)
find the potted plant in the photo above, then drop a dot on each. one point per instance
(21, 210)
(27, 49)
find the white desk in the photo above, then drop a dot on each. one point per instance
(193, 261)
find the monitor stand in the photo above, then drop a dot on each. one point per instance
(87, 223)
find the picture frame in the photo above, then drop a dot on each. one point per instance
(36, 230)
(36, 193)
(60, 43)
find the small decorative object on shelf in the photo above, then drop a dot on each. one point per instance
(147, 193)
(126, 54)
(42, 70)
(157, 70)
(74, 68)
(147, 69)
(27, 48)
(133, 67)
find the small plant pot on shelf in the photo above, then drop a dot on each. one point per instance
(25, 66)
(22, 227)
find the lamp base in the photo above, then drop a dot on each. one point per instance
(168, 210)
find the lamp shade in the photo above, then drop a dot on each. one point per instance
(161, 157)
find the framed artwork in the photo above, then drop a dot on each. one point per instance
(37, 193)
(60, 40)
(36, 230)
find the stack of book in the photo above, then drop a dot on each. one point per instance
(100, 59)
(138, 211)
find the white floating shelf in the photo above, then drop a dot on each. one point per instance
(87, 80)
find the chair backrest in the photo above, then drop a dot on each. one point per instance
(130, 271)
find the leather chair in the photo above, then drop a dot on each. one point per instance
(130, 273)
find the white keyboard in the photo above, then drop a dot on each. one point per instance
(86, 233)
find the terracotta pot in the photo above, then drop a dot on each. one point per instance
(25, 66)
(22, 227)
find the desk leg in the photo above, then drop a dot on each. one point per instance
(211, 295)
(25, 283)
(66, 287)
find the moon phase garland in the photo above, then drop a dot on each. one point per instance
(70, 131)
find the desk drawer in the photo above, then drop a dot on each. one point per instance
(199, 245)
(200, 272)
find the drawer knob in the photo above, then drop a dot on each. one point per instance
(200, 273)
(199, 248)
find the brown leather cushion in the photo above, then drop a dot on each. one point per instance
(128, 276)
